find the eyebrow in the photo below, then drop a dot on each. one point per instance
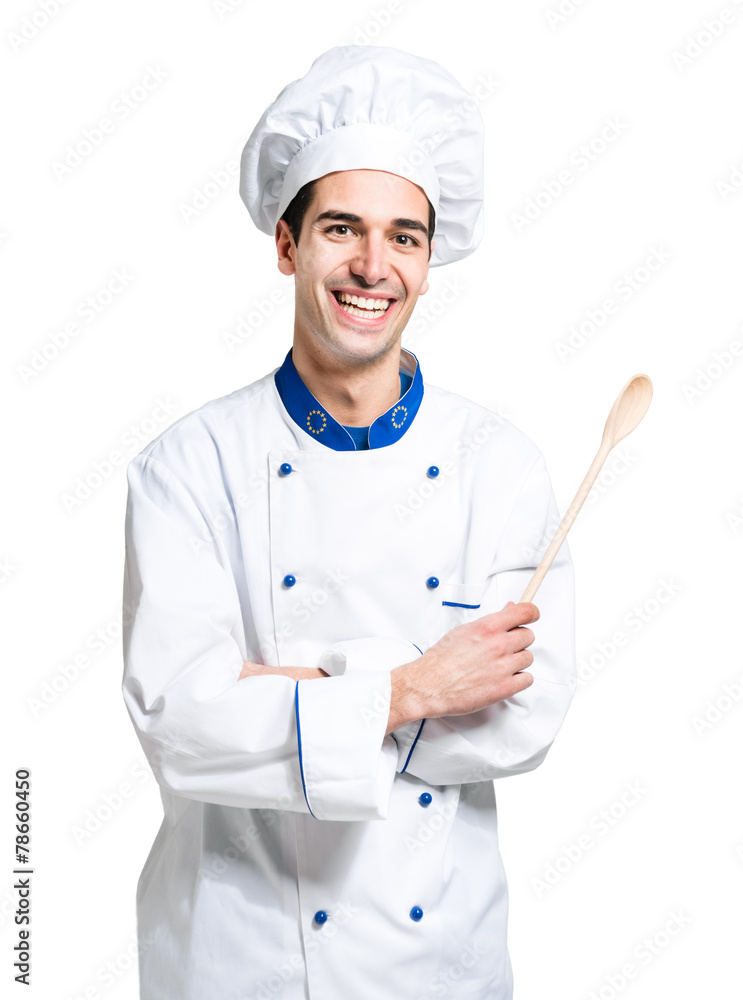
(340, 216)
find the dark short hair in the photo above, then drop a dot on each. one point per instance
(296, 210)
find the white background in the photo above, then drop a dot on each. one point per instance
(656, 550)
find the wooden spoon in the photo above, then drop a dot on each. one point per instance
(630, 407)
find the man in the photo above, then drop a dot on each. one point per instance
(323, 658)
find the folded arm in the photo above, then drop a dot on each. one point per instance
(212, 729)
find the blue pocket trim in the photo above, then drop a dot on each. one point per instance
(454, 604)
(299, 748)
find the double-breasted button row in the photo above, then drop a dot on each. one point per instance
(432, 582)
(285, 469)
(321, 916)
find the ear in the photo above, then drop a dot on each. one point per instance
(286, 248)
(424, 286)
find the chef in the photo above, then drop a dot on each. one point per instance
(325, 657)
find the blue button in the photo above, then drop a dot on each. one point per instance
(425, 798)
(416, 913)
(285, 469)
(289, 580)
(432, 582)
(321, 916)
(432, 471)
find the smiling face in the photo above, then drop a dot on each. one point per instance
(360, 264)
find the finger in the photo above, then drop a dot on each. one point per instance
(512, 641)
(518, 614)
(526, 635)
(521, 681)
(522, 660)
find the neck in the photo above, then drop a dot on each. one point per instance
(355, 394)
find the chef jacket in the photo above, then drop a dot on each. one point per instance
(303, 853)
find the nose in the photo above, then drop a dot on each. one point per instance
(370, 262)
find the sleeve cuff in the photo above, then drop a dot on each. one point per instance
(347, 763)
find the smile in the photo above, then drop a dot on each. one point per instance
(357, 305)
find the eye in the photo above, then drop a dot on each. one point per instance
(410, 240)
(339, 226)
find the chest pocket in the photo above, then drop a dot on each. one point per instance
(460, 603)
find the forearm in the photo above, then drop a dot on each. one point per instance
(295, 673)
(403, 702)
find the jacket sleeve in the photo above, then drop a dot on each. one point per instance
(259, 742)
(515, 734)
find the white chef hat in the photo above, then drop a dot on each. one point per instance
(376, 108)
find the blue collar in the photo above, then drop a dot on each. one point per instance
(308, 414)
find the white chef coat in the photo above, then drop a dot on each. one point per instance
(303, 853)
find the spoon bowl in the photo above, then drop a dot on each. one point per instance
(629, 408)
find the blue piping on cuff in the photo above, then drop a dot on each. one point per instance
(410, 753)
(454, 604)
(299, 748)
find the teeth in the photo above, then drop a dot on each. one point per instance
(377, 306)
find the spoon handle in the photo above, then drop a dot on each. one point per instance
(566, 523)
